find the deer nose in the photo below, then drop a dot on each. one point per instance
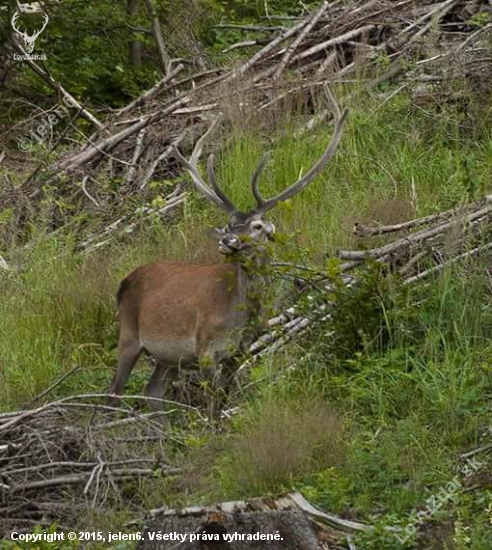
(230, 241)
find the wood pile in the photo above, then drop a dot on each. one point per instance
(63, 459)
(425, 44)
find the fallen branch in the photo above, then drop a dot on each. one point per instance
(338, 40)
(130, 175)
(49, 389)
(154, 91)
(437, 269)
(58, 87)
(161, 158)
(414, 237)
(295, 44)
(83, 477)
(267, 49)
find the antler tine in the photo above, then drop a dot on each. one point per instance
(255, 180)
(192, 167)
(37, 33)
(197, 151)
(339, 119)
(198, 181)
(14, 21)
(227, 203)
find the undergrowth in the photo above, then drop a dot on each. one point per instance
(366, 416)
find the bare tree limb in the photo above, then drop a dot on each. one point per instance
(295, 44)
(149, 94)
(164, 56)
(59, 88)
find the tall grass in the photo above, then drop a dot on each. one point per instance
(413, 380)
(280, 440)
(394, 162)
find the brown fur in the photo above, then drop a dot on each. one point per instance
(184, 315)
(202, 294)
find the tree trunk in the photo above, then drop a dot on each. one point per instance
(135, 47)
(164, 56)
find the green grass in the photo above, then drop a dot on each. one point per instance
(411, 407)
(407, 381)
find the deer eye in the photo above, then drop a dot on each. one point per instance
(257, 225)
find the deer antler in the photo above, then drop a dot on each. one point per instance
(255, 180)
(227, 204)
(13, 22)
(216, 195)
(339, 119)
(37, 33)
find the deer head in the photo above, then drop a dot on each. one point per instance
(29, 40)
(245, 230)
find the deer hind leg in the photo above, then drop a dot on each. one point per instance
(158, 384)
(129, 350)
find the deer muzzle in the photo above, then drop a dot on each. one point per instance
(229, 244)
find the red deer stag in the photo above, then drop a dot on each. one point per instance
(188, 315)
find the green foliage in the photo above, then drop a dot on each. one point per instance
(356, 323)
(407, 370)
(54, 294)
(87, 45)
(480, 19)
(241, 10)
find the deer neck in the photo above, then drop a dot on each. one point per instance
(252, 276)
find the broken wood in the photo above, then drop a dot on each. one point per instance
(235, 524)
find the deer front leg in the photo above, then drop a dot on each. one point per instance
(160, 380)
(212, 353)
(209, 380)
